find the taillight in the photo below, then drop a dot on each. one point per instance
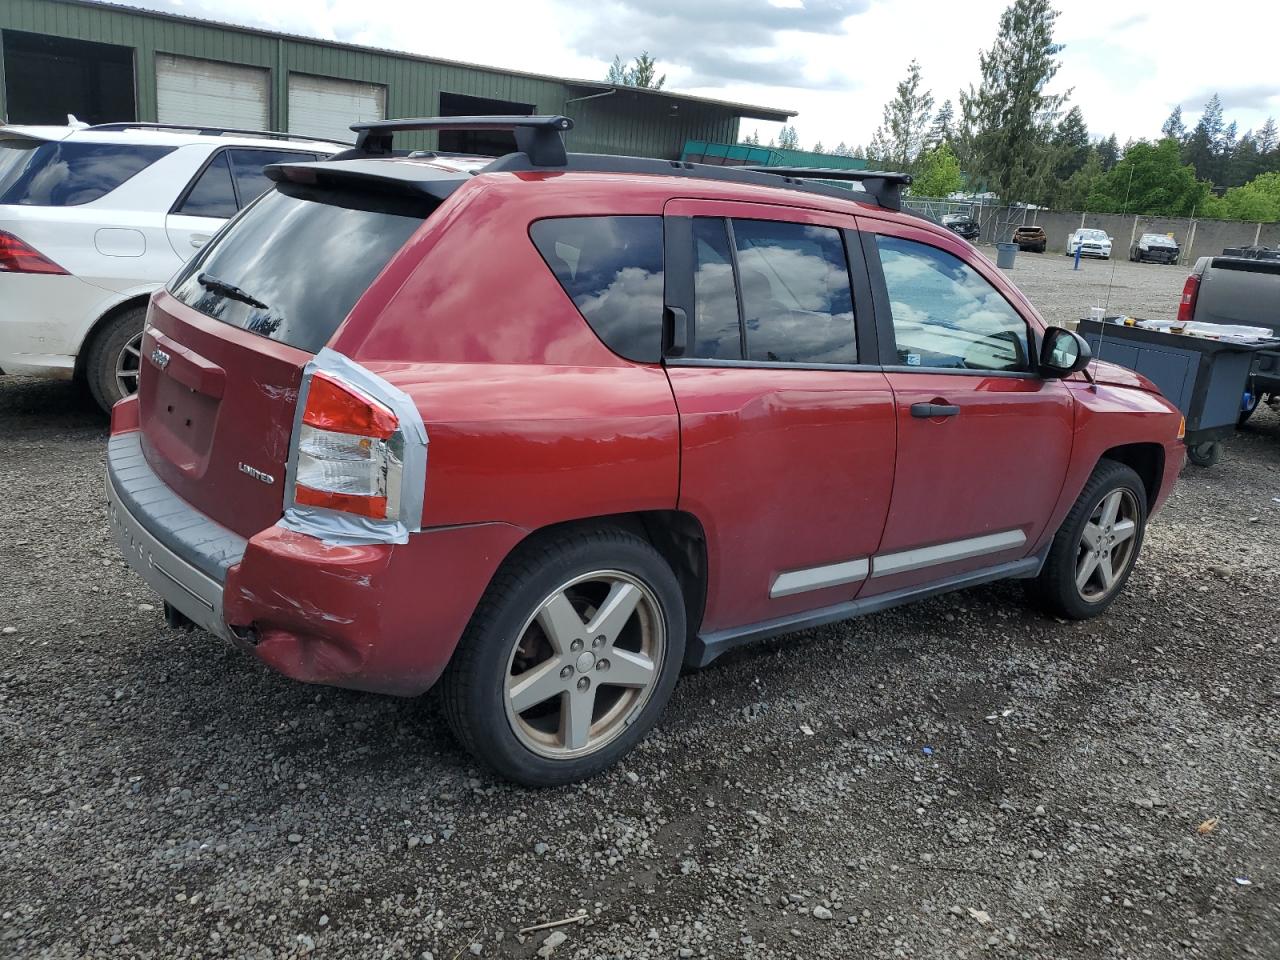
(350, 452)
(1187, 306)
(19, 257)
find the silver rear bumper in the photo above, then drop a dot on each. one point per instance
(144, 513)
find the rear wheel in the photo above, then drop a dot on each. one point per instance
(1097, 545)
(569, 659)
(115, 357)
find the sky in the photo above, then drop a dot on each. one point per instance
(1127, 63)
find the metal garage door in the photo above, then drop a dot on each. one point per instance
(212, 94)
(324, 107)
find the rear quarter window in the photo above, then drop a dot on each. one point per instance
(611, 268)
(68, 173)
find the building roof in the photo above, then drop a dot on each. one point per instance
(750, 111)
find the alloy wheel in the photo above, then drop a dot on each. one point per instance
(1106, 545)
(128, 365)
(584, 664)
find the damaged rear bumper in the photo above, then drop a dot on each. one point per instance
(181, 554)
(379, 617)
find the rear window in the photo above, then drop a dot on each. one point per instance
(68, 173)
(611, 267)
(295, 263)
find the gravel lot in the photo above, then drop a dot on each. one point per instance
(961, 778)
(1147, 290)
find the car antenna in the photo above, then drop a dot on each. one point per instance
(1102, 321)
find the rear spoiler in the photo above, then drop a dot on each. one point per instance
(536, 137)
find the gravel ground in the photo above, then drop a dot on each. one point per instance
(959, 778)
(1147, 290)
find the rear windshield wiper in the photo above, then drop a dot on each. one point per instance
(211, 282)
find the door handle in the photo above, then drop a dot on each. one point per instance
(675, 323)
(199, 239)
(927, 411)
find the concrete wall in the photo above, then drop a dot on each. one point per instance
(1207, 237)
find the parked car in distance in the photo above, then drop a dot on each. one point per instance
(1245, 290)
(1154, 248)
(1031, 238)
(542, 508)
(962, 225)
(1092, 243)
(93, 219)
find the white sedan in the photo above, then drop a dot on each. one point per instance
(1092, 243)
(93, 219)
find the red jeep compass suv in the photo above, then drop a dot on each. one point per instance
(548, 427)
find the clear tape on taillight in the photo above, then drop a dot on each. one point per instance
(358, 462)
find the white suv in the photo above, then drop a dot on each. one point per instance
(93, 219)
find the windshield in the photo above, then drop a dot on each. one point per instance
(1093, 235)
(1156, 238)
(292, 266)
(67, 173)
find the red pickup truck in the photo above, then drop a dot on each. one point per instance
(545, 428)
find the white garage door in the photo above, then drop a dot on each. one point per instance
(212, 94)
(324, 107)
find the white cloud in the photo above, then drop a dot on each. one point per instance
(836, 61)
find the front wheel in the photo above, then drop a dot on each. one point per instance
(1097, 545)
(115, 358)
(569, 659)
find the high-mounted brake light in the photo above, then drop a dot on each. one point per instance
(1187, 306)
(17, 256)
(350, 452)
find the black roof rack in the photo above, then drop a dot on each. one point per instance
(538, 138)
(886, 187)
(206, 131)
(540, 144)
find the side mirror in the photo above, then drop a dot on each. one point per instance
(1063, 353)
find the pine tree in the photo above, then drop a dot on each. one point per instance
(643, 72)
(1009, 118)
(1109, 152)
(1268, 136)
(617, 72)
(1174, 127)
(788, 139)
(906, 120)
(942, 130)
(1071, 142)
(753, 140)
(842, 150)
(1201, 148)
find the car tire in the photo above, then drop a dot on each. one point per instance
(549, 581)
(1080, 579)
(115, 357)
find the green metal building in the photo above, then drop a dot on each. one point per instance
(104, 63)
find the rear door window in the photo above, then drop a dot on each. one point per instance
(611, 268)
(797, 305)
(67, 173)
(212, 195)
(292, 267)
(771, 291)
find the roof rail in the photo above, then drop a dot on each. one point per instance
(205, 131)
(538, 138)
(885, 186)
